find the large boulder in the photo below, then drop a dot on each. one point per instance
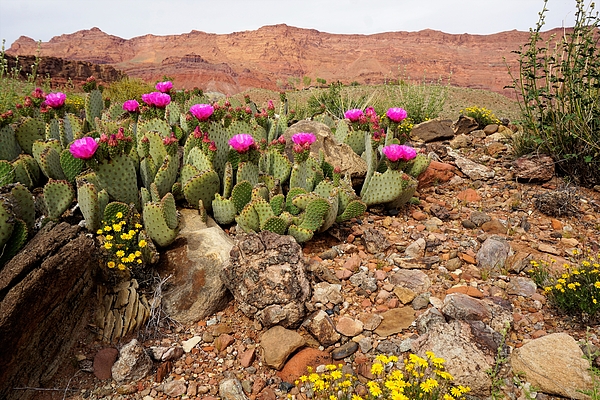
(45, 294)
(194, 262)
(266, 274)
(433, 130)
(336, 154)
(554, 365)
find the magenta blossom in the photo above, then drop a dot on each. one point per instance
(84, 148)
(303, 138)
(353, 115)
(164, 87)
(397, 152)
(241, 142)
(202, 111)
(156, 99)
(396, 114)
(55, 100)
(131, 106)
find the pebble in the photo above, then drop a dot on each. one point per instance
(344, 350)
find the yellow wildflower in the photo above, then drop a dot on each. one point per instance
(121, 267)
(107, 228)
(111, 264)
(120, 253)
(138, 226)
(356, 397)
(428, 385)
(376, 368)
(374, 389)
(109, 237)
(138, 253)
(142, 243)
(336, 374)
(139, 261)
(108, 245)
(117, 227)
(99, 232)
(119, 215)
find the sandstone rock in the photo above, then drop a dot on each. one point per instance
(466, 308)
(324, 293)
(189, 344)
(479, 218)
(266, 274)
(545, 362)
(492, 255)
(433, 130)
(472, 169)
(322, 328)
(175, 388)
(436, 173)
(364, 281)
(370, 321)
(231, 389)
(349, 326)
(416, 249)
(297, 365)
(103, 362)
(469, 195)
(521, 286)
(465, 361)
(223, 341)
(534, 168)
(464, 125)
(195, 260)
(395, 321)
(340, 155)
(494, 226)
(278, 343)
(405, 295)
(247, 358)
(461, 142)
(417, 281)
(133, 363)
(490, 129)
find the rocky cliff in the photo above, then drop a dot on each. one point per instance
(275, 56)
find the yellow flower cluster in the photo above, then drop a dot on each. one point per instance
(577, 290)
(120, 240)
(421, 378)
(482, 115)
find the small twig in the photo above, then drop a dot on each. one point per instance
(69, 383)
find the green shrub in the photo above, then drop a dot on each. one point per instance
(337, 100)
(558, 87)
(127, 89)
(422, 101)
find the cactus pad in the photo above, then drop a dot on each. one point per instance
(300, 234)
(17, 240)
(70, 165)
(9, 148)
(58, 196)
(112, 209)
(201, 187)
(241, 195)
(7, 222)
(24, 204)
(7, 173)
(28, 132)
(248, 219)
(170, 210)
(223, 210)
(119, 178)
(354, 209)
(87, 197)
(156, 225)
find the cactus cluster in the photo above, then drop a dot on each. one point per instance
(153, 157)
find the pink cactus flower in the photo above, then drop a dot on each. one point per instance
(164, 87)
(270, 105)
(131, 106)
(156, 99)
(202, 111)
(396, 114)
(55, 100)
(397, 152)
(241, 142)
(303, 138)
(354, 115)
(84, 148)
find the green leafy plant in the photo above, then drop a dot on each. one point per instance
(558, 88)
(577, 290)
(539, 272)
(337, 100)
(127, 89)
(482, 115)
(415, 378)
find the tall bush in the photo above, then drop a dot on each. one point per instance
(558, 88)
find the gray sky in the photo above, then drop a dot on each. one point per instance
(44, 19)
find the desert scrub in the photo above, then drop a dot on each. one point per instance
(419, 378)
(127, 89)
(577, 290)
(558, 89)
(336, 100)
(482, 115)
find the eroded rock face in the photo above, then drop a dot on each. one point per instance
(234, 62)
(45, 292)
(266, 275)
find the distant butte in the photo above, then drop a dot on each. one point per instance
(272, 56)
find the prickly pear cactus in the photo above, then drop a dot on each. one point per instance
(386, 188)
(156, 223)
(203, 186)
(89, 204)
(418, 165)
(223, 210)
(7, 221)
(9, 147)
(47, 155)
(118, 176)
(58, 196)
(93, 107)
(7, 173)
(31, 130)
(23, 204)
(27, 170)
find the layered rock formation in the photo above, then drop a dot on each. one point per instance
(275, 56)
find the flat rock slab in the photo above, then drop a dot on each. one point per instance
(395, 321)
(278, 343)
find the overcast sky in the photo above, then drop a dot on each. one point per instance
(44, 19)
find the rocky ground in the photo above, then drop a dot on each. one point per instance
(404, 266)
